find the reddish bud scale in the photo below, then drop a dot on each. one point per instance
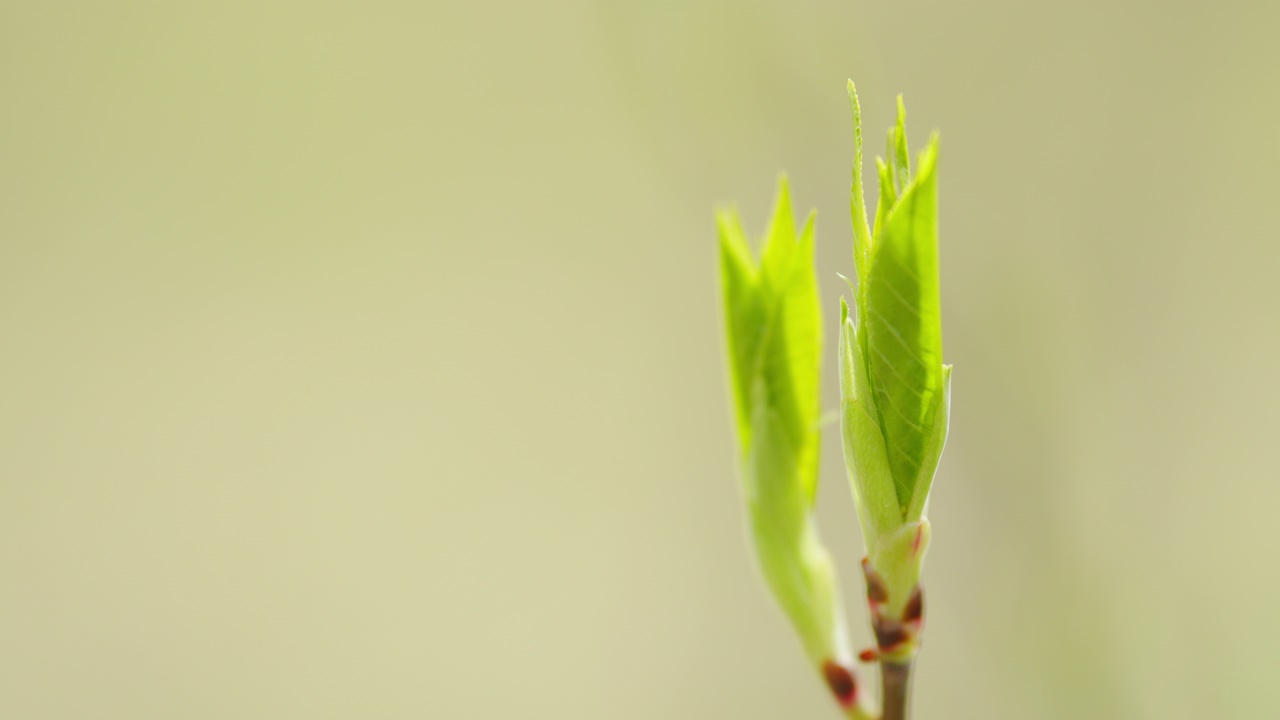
(877, 590)
(890, 634)
(842, 683)
(914, 612)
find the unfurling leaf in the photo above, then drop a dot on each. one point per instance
(773, 331)
(895, 389)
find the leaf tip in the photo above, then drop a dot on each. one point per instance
(857, 108)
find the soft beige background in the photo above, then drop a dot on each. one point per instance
(363, 360)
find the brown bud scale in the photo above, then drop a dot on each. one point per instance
(877, 590)
(914, 612)
(889, 633)
(841, 681)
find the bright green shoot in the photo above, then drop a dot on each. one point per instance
(895, 409)
(773, 332)
(900, 333)
(895, 391)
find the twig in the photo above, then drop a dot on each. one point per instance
(895, 681)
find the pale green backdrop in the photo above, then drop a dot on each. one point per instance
(362, 360)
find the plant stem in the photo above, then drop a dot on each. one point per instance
(895, 682)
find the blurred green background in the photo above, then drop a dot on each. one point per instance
(362, 360)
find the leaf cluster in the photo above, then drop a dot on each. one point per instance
(773, 332)
(892, 375)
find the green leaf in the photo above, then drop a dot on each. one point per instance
(773, 328)
(792, 358)
(743, 317)
(780, 242)
(773, 323)
(888, 196)
(901, 157)
(874, 493)
(795, 565)
(933, 450)
(858, 204)
(773, 331)
(903, 327)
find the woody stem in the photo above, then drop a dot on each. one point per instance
(895, 682)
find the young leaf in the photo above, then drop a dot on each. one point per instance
(871, 479)
(933, 450)
(895, 390)
(903, 328)
(901, 156)
(888, 196)
(858, 203)
(739, 284)
(773, 330)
